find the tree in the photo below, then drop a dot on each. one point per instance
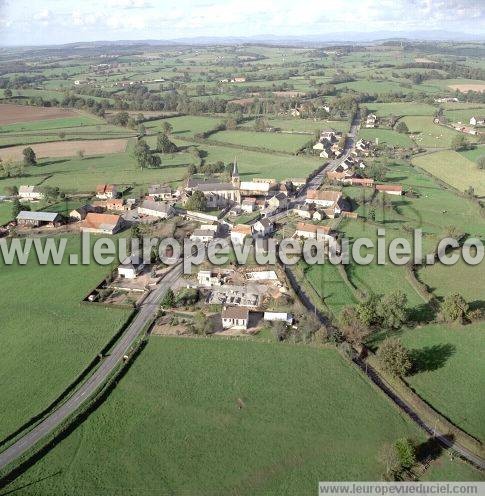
(168, 300)
(401, 127)
(167, 127)
(62, 135)
(394, 357)
(481, 162)
(142, 129)
(80, 154)
(454, 307)
(406, 452)
(366, 311)
(164, 145)
(202, 324)
(17, 208)
(51, 193)
(260, 124)
(353, 329)
(392, 309)
(29, 156)
(8, 93)
(197, 201)
(11, 190)
(459, 142)
(143, 156)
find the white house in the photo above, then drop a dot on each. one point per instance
(235, 318)
(371, 120)
(203, 235)
(278, 317)
(28, 192)
(279, 201)
(130, 267)
(304, 211)
(248, 205)
(159, 192)
(477, 121)
(263, 228)
(328, 199)
(106, 191)
(239, 233)
(209, 278)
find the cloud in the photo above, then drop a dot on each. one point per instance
(128, 4)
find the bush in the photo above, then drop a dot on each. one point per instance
(394, 357)
(186, 297)
(454, 308)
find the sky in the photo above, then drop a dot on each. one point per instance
(39, 22)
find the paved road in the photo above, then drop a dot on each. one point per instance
(145, 314)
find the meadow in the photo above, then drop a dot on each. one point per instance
(180, 402)
(400, 108)
(185, 126)
(428, 134)
(450, 372)
(474, 154)
(310, 126)
(386, 136)
(54, 334)
(281, 142)
(81, 120)
(464, 115)
(454, 169)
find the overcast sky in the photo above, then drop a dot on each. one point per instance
(63, 21)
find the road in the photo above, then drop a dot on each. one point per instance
(146, 313)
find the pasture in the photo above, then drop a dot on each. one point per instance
(400, 108)
(454, 169)
(185, 126)
(386, 136)
(11, 113)
(53, 123)
(310, 126)
(304, 415)
(57, 335)
(450, 371)
(280, 142)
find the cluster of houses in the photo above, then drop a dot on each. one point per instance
(237, 79)
(371, 121)
(329, 144)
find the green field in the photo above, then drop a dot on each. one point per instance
(451, 371)
(57, 335)
(306, 125)
(400, 109)
(185, 126)
(81, 120)
(386, 136)
(307, 416)
(454, 169)
(76, 175)
(474, 154)
(464, 115)
(281, 142)
(430, 135)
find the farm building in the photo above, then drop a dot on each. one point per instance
(115, 204)
(278, 317)
(390, 189)
(130, 267)
(239, 233)
(279, 201)
(105, 191)
(203, 235)
(477, 121)
(156, 209)
(81, 212)
(312, 231)
(248, 205)
(28, 192)
(235, 318)
(305, 211)
(159, 192)
(37, 219)
(263, 228)
(102, 223)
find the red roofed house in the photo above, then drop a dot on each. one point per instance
(116, 204)
(312, 231)
(105, 191)
(329, 200)
(102, 223)
(390, 189)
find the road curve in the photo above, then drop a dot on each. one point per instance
(147, 311)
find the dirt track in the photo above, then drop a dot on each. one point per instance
(67, 148)
(12, 114)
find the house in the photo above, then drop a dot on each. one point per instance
(371, 120)
(390, 189)
(297, 181)
(263, 228)
(115, 204)
(28, 192)
(159, 192)
(305, 211)
(359, 181)
(319, 215)
(328, 199)
(364, 147)
(446, 99)
(257, 187)
(203, 235)
(295, 112)
(160, 210)
(81, 212)
(105, 191)
(238, 80)
(131, 267)
(278, 317)
(279, 201)
(102, 223)
(235, 318)
(248, 205)
(37, 219)
(313, 231)
(477, 121)
(239, 233)
(209, 278)
(339, 175)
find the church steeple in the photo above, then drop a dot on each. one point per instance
(235, 179)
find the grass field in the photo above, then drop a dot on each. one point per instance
(474, 154)
(452, 470)
(398, 109)
(430, 135)
(386, 136)
(282, 142)
(464, 115)
(74, 174)
(57, 335)
(81, 120)
(451, 362)
(306, 125)
(307, 416)
(185, 126)
(454, 169)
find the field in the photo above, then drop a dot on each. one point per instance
(57, 335)
(468, 87)
(52, 123)
(67, 148)
(451, 371)
(192, 437)
(399, 109)
(185, 126)
(11, 114)
(463, 115)
(309, 126)
(428, 134)
(454, 169)
(387, 136)
(474, 154)
(76, 175)
(282, 142)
